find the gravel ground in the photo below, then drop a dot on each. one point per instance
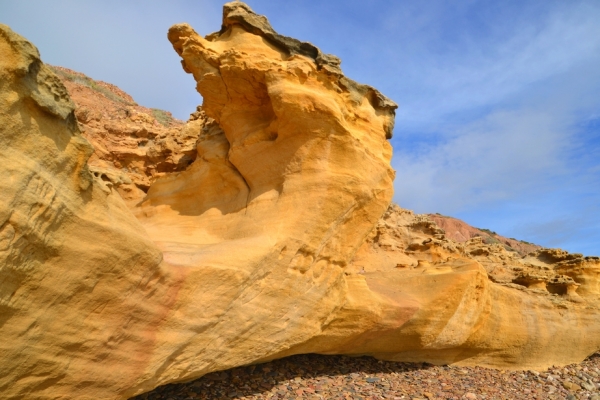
(336, 377)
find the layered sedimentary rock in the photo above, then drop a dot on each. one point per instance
(277, 239)
(470, 304)
(461, 232)
(288, 182)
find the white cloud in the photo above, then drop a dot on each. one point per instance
(496, 129)
(469, 72)
(506, 152)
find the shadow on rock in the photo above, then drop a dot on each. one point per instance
(283, 378)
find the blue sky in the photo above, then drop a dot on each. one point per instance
(499, 118)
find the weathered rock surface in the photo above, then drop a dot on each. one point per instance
(278, 238)
(133, 145)
(287, 184)
(80, 281)
(460, 231)
(507, 321)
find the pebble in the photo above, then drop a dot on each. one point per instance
(317, 377)
(571, 386)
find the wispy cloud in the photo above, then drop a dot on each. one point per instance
(491, 159)
(500, 126)
(438, 78)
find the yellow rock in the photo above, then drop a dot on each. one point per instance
(80, 281)
(278, 239)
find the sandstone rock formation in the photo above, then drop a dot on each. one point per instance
(277, 239)
(80, 281)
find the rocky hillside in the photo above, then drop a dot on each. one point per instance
(133, 145)
(461, 232)
(415, 241)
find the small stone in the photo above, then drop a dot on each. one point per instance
(470, 396)
(588, 386)
(571, 386)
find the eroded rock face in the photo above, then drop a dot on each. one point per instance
(80, 281)
(277, 240)
(133, 145)
(239, 282)
(474, 303)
